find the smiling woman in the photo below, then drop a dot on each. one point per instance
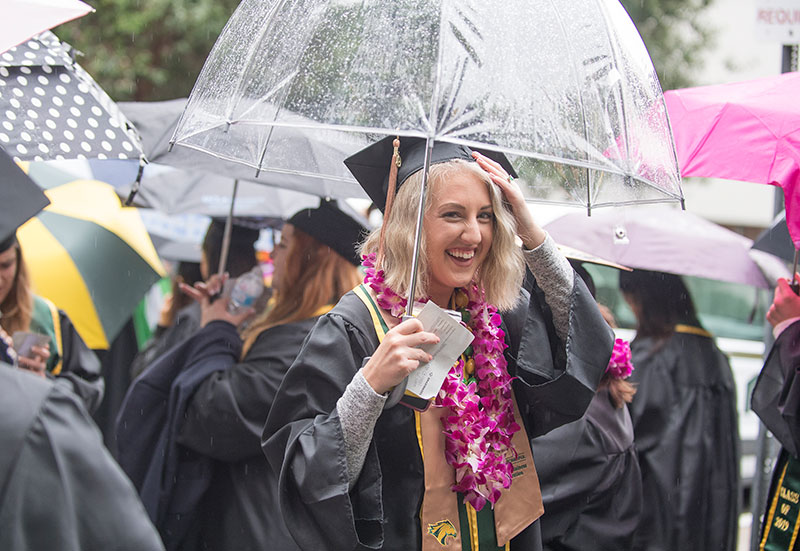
(356, 471)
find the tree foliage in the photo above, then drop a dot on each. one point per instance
(675, 36)
(147, 49)
(154, 49)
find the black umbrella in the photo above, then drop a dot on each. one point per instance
(22, 198)
(50, 108)
(776, 240)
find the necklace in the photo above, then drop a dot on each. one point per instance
(477, 392)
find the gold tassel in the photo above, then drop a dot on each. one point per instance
(395, 164)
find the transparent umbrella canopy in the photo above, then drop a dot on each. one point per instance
(565, 89)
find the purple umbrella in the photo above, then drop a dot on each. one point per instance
(669, 240)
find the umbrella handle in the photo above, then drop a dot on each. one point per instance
(795, 285)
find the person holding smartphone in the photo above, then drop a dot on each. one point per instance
(58, 351)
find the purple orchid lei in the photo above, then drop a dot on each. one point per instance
(480, 423)
(620, 366)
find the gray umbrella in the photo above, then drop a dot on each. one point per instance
(50, 108)
(175, 191)
(156, 122)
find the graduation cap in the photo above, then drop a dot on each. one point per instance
(22, 199)
(338, 227)
(371, 165)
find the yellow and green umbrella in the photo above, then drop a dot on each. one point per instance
(89, 255)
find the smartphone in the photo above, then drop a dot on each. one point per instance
(24, 341)
(414, 402)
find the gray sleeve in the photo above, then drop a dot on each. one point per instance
(554, 276)
(359, 409)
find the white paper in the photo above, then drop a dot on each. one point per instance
(454, 338)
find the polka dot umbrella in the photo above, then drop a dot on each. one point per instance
(50, 108)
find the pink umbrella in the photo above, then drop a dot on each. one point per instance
(23, 19)
(747, 131)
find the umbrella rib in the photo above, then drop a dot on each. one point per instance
(432, 114)
(252, 50)
(613, 47)
(272, 170)
(580, 91)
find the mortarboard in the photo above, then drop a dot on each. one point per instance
(370, 166)
(332, 226)
(22, 199)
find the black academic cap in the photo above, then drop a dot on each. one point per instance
(22, 199)
(370, 166)
(338, 227)
(241, 235)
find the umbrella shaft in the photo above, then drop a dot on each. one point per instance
(412, 285)
(226, 236)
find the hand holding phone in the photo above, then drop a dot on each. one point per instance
(33, 350)
(24, 341)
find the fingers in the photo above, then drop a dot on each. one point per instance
(191, 291)
(398, 355)
(489, 165)
(407, 327)
(242, 316)
(785, 305)
(42, 352)
(204, 290)
(34, 365)
(411, 334)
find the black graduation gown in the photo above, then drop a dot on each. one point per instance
(590, 479)
(776, 401)
(60, 489)
(686, 433)
(224, 420)
(303, 436)
(776, 396)
(187, 323)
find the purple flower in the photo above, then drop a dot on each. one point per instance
(620, 366)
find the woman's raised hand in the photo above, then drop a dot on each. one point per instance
(214, 307)
(529, 231)
(398, 355)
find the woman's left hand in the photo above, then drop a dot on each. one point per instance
(212, 306)
(531, 234)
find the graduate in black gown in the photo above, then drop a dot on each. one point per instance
(684, 420)
(60, 489)
(358, 471)
(221, 387)
(776, 401)
(589, 470)
(180, 317)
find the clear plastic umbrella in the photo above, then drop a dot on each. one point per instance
(566, 90)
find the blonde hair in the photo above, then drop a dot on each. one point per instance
(319, 276)
(501, 273)
(17, 307)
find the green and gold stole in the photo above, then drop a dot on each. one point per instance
(782, 521)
